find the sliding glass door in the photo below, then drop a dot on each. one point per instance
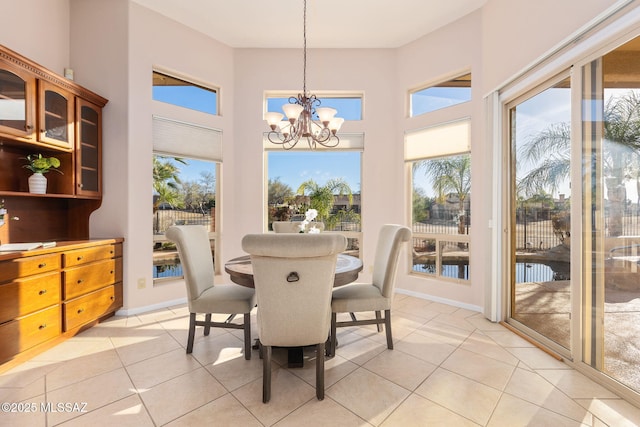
(575, 281)
(611, 213)
(540, 136)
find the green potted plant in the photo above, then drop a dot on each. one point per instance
(40, 165)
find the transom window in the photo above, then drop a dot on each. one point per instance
(182, 93)
(441, 95)
(349, 107)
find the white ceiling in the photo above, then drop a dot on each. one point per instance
(330, 23)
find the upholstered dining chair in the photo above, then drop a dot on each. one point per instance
(376, 296)
(293, 226)
(293, 276)
(203, 296)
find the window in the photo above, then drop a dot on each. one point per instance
(349, 108)
(185, 180)
(184, 194)
(442, 95)
(182, 93)
(325, 180)
(440, 165)
(328, 181)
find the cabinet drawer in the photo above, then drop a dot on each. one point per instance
(80, 280)
(84, 256)
(91, 307)
(21, 334)
(24, 296)
(21, 267)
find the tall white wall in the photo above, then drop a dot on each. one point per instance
(38, 30)
(155, 40)
(446, 53)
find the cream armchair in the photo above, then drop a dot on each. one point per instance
(203, 297)
(376, 296)
(293, 276)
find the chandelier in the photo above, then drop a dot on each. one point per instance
(300, 111)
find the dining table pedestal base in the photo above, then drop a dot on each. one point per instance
(295, 357)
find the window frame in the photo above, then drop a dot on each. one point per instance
(214, 235)
(169, 120)
(190, 82)
(439, 83)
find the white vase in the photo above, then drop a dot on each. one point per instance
(37, 183)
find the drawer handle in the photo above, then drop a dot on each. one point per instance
(42, 265)
(112, 298)
(79, 258)
(80, 310)
(41, 327)
(111, 272)
(111, 252)
(80, 281)
(42, 292)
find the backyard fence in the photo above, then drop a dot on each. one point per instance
(164, 219)
(534, 228)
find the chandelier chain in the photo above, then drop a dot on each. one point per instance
(304, 56)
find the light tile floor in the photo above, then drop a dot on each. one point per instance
(450, 367)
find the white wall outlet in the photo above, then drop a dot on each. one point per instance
(142, 283)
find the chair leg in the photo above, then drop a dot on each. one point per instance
(387, 323)
(192, 332)
(207, 326)
(266, 374)
(320, 371)
(247, 336)
(379, 318)
(353, 317)
(331, 351)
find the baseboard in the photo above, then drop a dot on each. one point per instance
(148, 308)
(440, 300)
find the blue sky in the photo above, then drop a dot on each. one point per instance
(294, 168)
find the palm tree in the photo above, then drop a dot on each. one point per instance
(166, 181)
(322, 197)
(450, 175)
(550, 149)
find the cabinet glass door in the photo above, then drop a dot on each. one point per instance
(56, 116)
(15, 117)
(88, 154)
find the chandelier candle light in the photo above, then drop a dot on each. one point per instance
(299, 112)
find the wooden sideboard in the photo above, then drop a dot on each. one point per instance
(47, 295)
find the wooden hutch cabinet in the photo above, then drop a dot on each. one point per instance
(48, 294)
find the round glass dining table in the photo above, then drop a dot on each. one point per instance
(241, 272)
